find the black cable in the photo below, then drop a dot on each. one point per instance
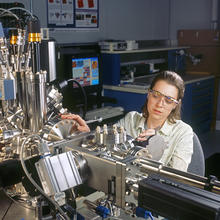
(63, 84)
(3, 217)
(9, 12)
(23, 9)
(50, 200)
(17, 202)
(84, 94)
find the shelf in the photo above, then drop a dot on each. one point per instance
(153, 61)
(150, 49)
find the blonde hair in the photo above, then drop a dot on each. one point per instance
(174, 79)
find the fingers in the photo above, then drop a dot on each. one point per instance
(80, 120)
(82, 126)
(145, 134)
(69, 116)
(141, 138)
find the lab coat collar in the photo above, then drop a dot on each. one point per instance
(166, 128)
(141, 123)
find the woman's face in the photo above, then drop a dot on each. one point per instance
(162, 99)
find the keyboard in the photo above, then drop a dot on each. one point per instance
(106, 112)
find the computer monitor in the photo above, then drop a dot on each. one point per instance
(85, 70)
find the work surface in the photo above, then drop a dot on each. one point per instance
(188, 78)
(10, 210)
(141, 84)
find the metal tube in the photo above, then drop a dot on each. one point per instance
(214, 15)
(35, 56)
(52, 61)
(36, 100)
(20, 89)
(200, 182)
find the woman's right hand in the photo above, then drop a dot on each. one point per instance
(81, 126)
(145, 134)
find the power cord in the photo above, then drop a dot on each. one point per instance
(32, 180)
(16, 201)
(64, 83)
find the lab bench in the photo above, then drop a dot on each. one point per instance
(114, 63)
(197, 105)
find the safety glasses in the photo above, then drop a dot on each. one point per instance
(167, 99)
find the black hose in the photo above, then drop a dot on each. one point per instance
(84, 95)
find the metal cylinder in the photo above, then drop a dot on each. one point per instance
(48, 63)
(36, 100)
(20, 90)
(214, 15)
(35, 56)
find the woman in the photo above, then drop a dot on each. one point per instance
(161, 113)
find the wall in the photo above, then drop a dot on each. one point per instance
(134, 19)
(139, 20)
(121, 19)
(189, 14)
